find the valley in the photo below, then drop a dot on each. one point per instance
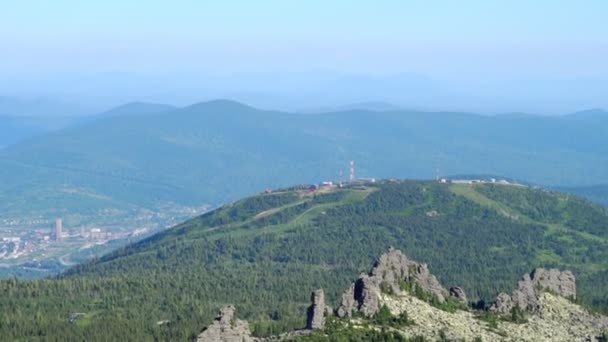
(30, 248)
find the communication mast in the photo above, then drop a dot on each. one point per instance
(352, 171)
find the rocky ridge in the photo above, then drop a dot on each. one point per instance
(388, 274)
(544, 295)
(558, 320)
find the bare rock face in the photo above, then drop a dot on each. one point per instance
(561, 283)
(367, 295)
(457, 293)
(226, 328)
(347, 304)
(503, 304)
(428, 282)
(386, 275)
(529, 288)
(316, 311)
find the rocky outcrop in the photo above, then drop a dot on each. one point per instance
(561, 283)
(552, 317)
(558, 320)
(367, 294)
(387, 275)
(530, 287)
(347, 304)
(503, 303)
(315, 315)
(458, 294)
(226, 328)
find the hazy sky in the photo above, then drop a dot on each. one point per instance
(445, 39)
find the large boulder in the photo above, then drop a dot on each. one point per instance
(226, 328)
(503, 304)
(457, 293)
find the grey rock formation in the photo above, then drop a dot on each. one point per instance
(367, 295)
(503, 304)
(387, 274)
(316, 311)
(457, 293)
(531, 286)
(561, 283)
(347, 304)
(525, 296)
(428, 282)
(226, 328)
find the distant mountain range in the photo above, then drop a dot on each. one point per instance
(15, 106)
(321, 89)
(24, 118)
(215, 152)
(14, 129)
(376, 106)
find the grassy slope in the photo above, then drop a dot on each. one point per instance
(267, 252)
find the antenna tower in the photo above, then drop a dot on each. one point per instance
(352, 171)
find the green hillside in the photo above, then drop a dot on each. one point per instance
(266, 253)
(219, 151)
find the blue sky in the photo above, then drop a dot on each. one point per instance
(442, 39)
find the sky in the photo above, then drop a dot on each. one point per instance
(438, 38)
(474, 41)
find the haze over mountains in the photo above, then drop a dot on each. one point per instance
(311, 90)
(213, 152)
(161, 160)
(23, 118)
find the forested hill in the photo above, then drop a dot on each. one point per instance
(266, 253)
(219, 151)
